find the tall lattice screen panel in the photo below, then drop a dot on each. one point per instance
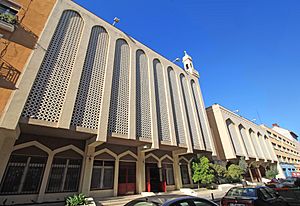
(252, 139)
(248, 144)
(177, 112)
(161, 102)
(143, 118)
(231, 128)
(200, 117)
(89, 98)
(119, 102)
(47, 96)
(188, 108)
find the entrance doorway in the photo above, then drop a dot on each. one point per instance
(127, 178)
(153, 182)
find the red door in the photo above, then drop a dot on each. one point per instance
(127, 178)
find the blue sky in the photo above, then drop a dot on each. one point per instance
(246, 51)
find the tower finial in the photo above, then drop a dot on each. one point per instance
(188, 64)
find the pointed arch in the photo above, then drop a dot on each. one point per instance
(35, 144)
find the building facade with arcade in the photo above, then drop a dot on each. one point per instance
(98, 112)
(235, 137)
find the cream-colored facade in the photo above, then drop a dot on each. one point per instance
(235, 136)
(287, 152)
(100, 113)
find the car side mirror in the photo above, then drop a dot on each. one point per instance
(277, 194)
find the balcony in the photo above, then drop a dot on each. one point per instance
(8, 22)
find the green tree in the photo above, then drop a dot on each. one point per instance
(219, 171)
(243, 165)
(271, 173)
(202, 172)
(234, 173)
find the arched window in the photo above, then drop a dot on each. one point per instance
(24, 171)
(65, 172)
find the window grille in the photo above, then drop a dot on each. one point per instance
(64, 175)
(168, 174)
(103, 175)
(184, 174)
(23, 175)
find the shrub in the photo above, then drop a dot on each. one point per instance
(271, 173)
(243, 165)
(202, 172)
(234, 173)
(219, 172)
(76, 200)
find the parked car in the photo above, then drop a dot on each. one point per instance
(171, 200)
(283, 183)
(253, 196)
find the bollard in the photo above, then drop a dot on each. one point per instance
(212, 196)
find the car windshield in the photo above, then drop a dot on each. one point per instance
(242, 192)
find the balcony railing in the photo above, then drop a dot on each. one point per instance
(8, 75)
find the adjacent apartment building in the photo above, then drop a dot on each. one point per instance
(235, 137)
(286, 148)
(96, 111)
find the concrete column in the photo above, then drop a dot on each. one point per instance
(87, 170)
(153, 109)
(116, 177)
(225, 137)
(190, 174)
(204, 119)
(195, 118)
(140, 172)
(177, 174)
(188, 139)
(169, 106)
(7, 141)
(66, 115)
(104, 113)
(251, 175)
(45, 178)
(259, 174)
(241, 141)
(132, 95)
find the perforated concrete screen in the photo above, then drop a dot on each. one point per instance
(188, 108)
(47, 96)
(234, 137)
(143, 118)
(200, 117)
(177, 112)
(247, 141)
(89, 98)
(161, 102)
(118, 111)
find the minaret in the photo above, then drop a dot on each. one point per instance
(188, 65)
